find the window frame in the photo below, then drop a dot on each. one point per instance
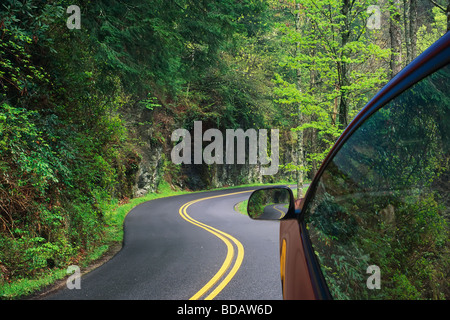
(430, 61)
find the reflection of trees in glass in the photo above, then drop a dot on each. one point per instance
(264, 197)
(256, 204)
(384, 200)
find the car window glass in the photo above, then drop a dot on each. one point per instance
(378, 221)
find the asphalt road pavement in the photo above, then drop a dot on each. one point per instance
(193, 246)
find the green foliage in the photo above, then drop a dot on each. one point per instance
(24, 30)
(425, 37)
(36, 171)
(149, 103)
(26, 146)
(170, 43)
(18, 73)
(65, 150)
(333, 65)
(60, 136)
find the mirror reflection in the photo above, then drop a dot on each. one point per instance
(269, 203)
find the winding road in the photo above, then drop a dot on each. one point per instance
(193, 246)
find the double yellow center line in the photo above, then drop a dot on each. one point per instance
(229, 241)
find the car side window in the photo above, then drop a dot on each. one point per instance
(379, 218)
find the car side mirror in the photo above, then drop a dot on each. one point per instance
(273, 203)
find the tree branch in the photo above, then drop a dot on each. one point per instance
(438, 5)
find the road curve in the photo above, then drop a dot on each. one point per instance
(193, 246)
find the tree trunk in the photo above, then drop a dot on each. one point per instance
(313, 131)
(300, 147)
(343, 110)
(413, 28)
(410, 26)
(396, 39)
(342, 67)
(448, 15)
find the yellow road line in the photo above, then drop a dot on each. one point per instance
(279, 210)
(225, 237)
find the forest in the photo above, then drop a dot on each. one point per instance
(89, 100)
